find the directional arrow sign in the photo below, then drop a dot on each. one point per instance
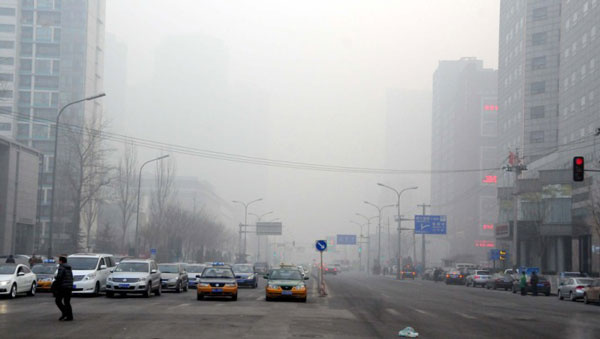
(321, 245)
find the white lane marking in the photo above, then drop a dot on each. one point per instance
(466, 315)
(385, 295)
(421, 311)
(260, 298)
(392, 311)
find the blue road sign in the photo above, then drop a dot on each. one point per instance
(321, 245)
(430, 224)
(494, 254)
(346, 239)
(153, 251)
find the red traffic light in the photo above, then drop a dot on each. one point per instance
(578, 168)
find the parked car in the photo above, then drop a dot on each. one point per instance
(478, 278)
(572, 288)
(139, 276)
(427, 274)
(174, 277)
(564, 276)
(261, 267)
(500, 280)
(543, 286)
(455, 277)
(90, 271)
(45, 274)
(592, 292)
(193, 270)
(17, 278)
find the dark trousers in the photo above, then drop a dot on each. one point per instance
(534, 288)
(523, 290)
(63, 301)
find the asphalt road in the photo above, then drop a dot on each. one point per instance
(357, 307)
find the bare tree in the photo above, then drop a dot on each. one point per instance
(594, 206)
(87, 173)
(125, 189)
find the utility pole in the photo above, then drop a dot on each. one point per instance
(424, 206)
(515, 165)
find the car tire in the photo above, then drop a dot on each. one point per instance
(178, 288)
(234, 297)
(560, 296)
(199, 297)
(571, 297)
(585, 299)
(158, 291)
(185, 287)
(96, 289)
(303, 300)
(495, 287)
(547, 294)
(146, 293)
(13, 292)
(110, 294)
(31, 292)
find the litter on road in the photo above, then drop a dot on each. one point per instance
(408, 332)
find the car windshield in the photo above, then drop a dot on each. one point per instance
(243, 269)
(83, 264)
(285, 275)
(194, 268)
(7, 269)
(132, 267)
(168, 268)
(213, 272)
(572, 274)
(482, 272)
(44, 269)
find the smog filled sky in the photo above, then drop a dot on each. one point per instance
(304, 81)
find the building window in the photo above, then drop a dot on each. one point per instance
(46, 4)
(538, 39)
(48, 19)
(539, 13)
(5, 126)
(45, 50)
(6, 28)
(24, 98)
(43, 34)
(26, 49)
(55, 67)
(27, 17)
(538, 63)
(537, 112)
(41, 99)
(6, 94)
(536, 137)
(23, 130)
(46, 82)
(4, 44)
(7, 61)
(6, 77)
(40, 131)
(25, 65)
(538, 87)
(5, 11)
(27, 33)
(25, 81)
(43, 66)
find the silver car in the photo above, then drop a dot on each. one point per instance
(478, 278)
(139, 276)
(573, 288)
(174, 277)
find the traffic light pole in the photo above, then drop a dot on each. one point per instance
(424, 206)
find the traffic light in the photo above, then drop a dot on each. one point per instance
(578, 168)
(359, 249)
(502, 255)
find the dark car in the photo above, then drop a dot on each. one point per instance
(543, 285)
(245, 275)
(500, 280)
(261, 268)
(330, 270)
(174, 277)
(455, 277)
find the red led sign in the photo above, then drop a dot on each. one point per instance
(490, 179)
(484, 243)
(490, 107)
(488, 226)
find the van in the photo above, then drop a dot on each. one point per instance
(90, 271)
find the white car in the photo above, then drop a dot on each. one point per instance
(90, 272)
(134, 276)
(16, 278)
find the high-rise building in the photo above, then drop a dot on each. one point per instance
(51, 53)
(464, 132)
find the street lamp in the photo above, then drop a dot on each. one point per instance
(137, 212)
(359, 244)
(245, 224)
(53, 195)
(379, 209)
(368, 220)
(258, 218)
(398, 194)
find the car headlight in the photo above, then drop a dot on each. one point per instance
(250, 277)
(173, 280)
(203, 284)
(90, 276)
(300, 287)
(230, 285)
(4, 282)
(275, 287)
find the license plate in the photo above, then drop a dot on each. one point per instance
(286, 292)
(217, 290)
(123, 285)
(540, 285)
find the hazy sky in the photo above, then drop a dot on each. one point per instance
(314, 74)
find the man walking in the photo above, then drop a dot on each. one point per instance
(523, 284)
(534, 281)
(62, 287)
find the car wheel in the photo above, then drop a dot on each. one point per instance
(178, 288)
(158, 292)
(585, 299)
(495, 287)
(96, 289)
(303, 300)
(234, 298)
(185, 287)
(560, 296)
(110, 294)
(32, 290)
(506, 288)
(199, 296)
(547, 294)
(267, 298)
(13, 291)
(571, 297)
(147, 291)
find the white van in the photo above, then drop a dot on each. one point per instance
(90, 271)
(464, 266)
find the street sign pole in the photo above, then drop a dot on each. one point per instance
(321, 246)
(321, 277)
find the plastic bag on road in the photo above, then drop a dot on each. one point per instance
(408, 332)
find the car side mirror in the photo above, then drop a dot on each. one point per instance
(102, 267)
(266, 276)
(198, 276)
(20, 274)
(305, 278)
(153, 271)
(112, 271)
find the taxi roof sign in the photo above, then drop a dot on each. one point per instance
(218, 264)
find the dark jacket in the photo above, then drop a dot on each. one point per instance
(534, 279)
(64, 278)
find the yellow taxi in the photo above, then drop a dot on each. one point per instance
(217, 280)
(286, 282)
(45, 273)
